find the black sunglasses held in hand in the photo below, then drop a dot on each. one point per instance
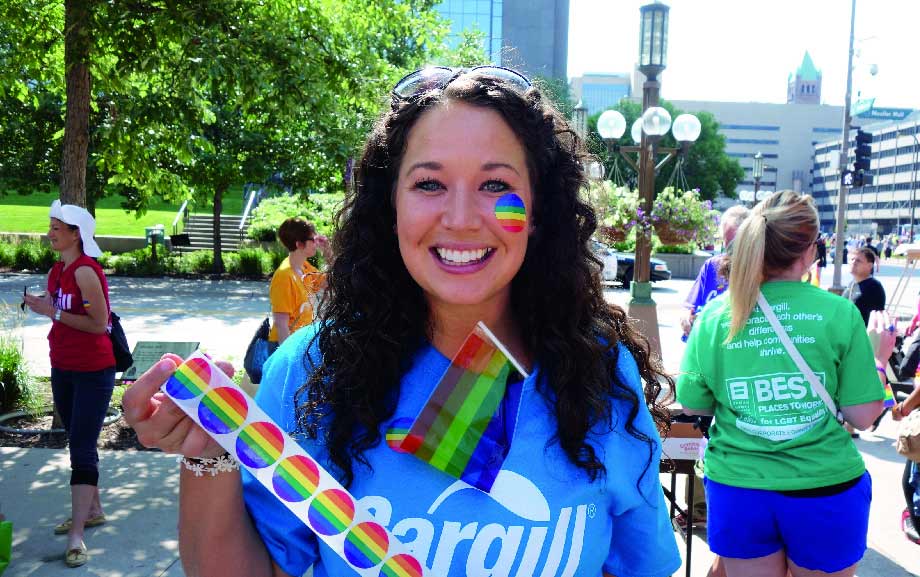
(438, 77)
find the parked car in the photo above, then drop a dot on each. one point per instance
(626, 262)
(608, 258)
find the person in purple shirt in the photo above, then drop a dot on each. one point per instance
(709, 283)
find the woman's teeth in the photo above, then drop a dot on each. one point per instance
(459, 257)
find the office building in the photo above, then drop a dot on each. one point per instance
(527, 35)
(784, 133)
(598, 92)
(889, 204)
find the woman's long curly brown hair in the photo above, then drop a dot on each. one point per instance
(375, 317)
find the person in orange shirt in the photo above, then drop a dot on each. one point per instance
(296, 280)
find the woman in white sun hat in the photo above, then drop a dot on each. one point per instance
(82, 362)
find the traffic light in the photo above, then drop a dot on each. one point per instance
(863, 151)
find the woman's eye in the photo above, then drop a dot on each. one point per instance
(495, 186)
(428, 185)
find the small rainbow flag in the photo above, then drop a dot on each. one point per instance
(889, 396)
(510, 212)
(463, 429)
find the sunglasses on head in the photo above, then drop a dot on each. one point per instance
(438, 77)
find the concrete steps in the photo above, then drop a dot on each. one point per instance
(200, 229)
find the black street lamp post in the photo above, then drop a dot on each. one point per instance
(647, 132)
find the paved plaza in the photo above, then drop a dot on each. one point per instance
(141, 489)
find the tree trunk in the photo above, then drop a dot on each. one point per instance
(77, 46)
(218, 206)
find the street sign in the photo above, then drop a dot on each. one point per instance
(886, 113)
(863, 106)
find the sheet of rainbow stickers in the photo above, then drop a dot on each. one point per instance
(233, 419)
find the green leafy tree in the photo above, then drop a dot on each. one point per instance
(706, 166)
(190, 97)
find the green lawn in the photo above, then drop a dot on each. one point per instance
(29, 213)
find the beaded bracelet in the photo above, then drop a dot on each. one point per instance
(222, 464)
(881, 370)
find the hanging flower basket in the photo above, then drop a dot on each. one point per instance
(680, 217)
(673, 236)
(613, 234)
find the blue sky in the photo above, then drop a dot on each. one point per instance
(744, 50)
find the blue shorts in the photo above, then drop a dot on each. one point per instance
(819, 533)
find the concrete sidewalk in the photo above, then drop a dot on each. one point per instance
(140, 491)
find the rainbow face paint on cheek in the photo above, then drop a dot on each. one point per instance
(511, 213)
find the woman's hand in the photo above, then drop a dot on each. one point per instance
(41, 304)
(159, 422)
(883, 332)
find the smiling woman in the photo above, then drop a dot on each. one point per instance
(466, 210)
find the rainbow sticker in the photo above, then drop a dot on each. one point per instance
(295, 479)
(222, 410)
(331, 512)
(287, 471)
(259, 445)
(510, 212)
(190, 379)
(397, 432)
(889, 397)
(366, 545)
(401, 566)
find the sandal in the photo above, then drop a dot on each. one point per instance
(91, 522)
(76, 557)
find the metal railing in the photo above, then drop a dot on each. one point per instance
(183, 215)
(255, 195)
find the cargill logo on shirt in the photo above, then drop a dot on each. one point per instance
(552, 544)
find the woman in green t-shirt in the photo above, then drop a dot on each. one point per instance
(787, 489)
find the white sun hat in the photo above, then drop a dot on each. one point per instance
(78, 216)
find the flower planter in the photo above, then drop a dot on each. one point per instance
(672, 236)
(613, 234)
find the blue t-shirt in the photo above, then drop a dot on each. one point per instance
(709, 284)
(542, 517)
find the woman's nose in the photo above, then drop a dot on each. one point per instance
(461, 210)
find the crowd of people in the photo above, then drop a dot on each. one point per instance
(424, 251)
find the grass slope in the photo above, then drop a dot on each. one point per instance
(29, 213)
